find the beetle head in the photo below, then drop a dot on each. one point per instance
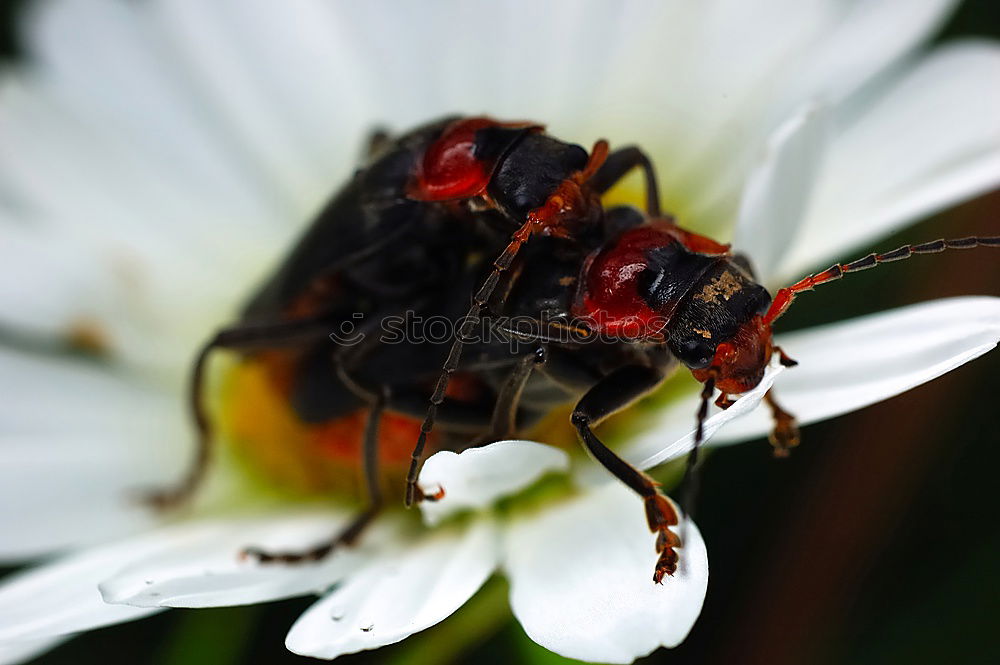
(739, 363)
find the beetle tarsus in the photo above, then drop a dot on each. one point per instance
(666, 565)
(724, 401)
(661, 515)
(174, 497)
(420, 495)
(784, 359)
(785, 434)
(350, 533)
(165, 499)
(345, 538)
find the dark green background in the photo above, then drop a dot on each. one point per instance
(877, 542)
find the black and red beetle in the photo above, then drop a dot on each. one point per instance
(444, 214)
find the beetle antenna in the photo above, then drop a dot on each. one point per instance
(469, 324)
(690, 480)
(546, 217)
(784, 297)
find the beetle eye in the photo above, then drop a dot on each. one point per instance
(695, 353)
(525, 203)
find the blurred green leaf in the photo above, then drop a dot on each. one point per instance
(210, 636)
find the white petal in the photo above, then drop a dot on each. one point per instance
(870, 37)
(75, 441)
(51, 286)
(14, 653)
(930, 140)
(218, 52)
(671, 433)
(103, 146)
(62, 597)
(402, 590)
(717, 108)
(130, 285)
(277, 53)
(64, 161)
(109, 62)
(753, 70)
(65, 492)
(525, 64)
(849, 365)
(581, 579)
(204, 569)
(71, 290)
(778, 189)
(477, 477)
(67, 395)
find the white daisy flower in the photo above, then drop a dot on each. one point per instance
(157, 158)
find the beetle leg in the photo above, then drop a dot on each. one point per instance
(503, 424)
(349, 534)
(783, 357)
(691, 480)
(465, 333)
(618, 164)
(614, 392)
(235, 338)
(552, 331)
(723, 401)
(785, 434)
(346, 358)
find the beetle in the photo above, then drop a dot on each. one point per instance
(399, 231)
(506, 214)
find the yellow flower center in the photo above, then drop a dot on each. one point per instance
(277, 448)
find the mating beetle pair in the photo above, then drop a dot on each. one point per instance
(505, 214)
